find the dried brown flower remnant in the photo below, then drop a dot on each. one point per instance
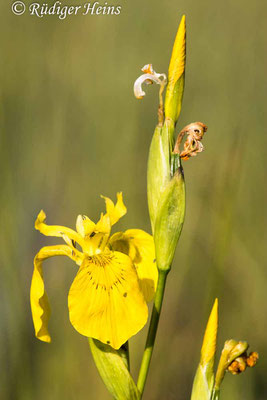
(192, 145)
(252, 359)
(241, 363)
(238, 365)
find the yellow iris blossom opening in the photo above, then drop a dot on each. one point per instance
(117, 275)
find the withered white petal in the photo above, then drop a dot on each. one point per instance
(148, 78)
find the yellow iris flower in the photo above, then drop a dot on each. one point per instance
(117, 275)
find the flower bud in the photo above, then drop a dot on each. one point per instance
(204, 378)
(166, 196)
(169, 220)
(113, 367)
(158, 172)
(176, 75)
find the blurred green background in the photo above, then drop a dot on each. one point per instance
(71, 130)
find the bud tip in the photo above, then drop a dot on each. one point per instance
(210, 337)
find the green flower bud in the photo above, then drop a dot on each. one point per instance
(166, 195)
(113, 367)
(170, 218)
(165, 179)
(158, 172)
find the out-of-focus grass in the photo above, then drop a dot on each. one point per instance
(71, 130)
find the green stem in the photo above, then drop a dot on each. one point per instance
(215, 394)
(152, 332)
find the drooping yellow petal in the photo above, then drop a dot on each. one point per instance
(39, 303)
(117, 211)
(105, 300)
(139, 246)
(56, 230)
(39, 300)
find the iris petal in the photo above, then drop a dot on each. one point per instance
(84, 226)
(38, 297)
(56, 230)
(105, 300)
(117, 211)
(139, 246)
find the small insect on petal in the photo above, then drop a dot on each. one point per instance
(148, 77)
